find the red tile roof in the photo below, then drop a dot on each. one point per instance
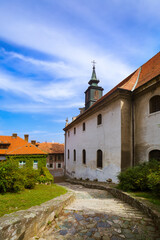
(18, 146)
(51, 147)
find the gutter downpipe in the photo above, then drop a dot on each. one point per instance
(65, 156)
(133, 120)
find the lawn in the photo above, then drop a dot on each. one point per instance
(149, 197)
(11, 202)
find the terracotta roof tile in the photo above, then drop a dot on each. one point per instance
(18, 146)
(51, 147)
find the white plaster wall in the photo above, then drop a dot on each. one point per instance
(147, 127)
(106, 137)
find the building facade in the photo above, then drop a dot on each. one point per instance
(117, 130)
(55, 158)
(20, 150)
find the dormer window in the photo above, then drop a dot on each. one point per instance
(4, 145)
(154, 104)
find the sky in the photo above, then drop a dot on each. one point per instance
(46, 49)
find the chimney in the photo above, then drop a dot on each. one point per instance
(26, 137)
(33, 142)
(14, 135)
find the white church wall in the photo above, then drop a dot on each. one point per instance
(106, 137)
(147, 126)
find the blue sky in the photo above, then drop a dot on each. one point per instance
(46, 49)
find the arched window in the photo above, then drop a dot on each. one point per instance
(84, 126)
(99, 159)
(84, 156)
(68, 153)
(99, 119)
(74, 155)
(154, 104)
(154, 154)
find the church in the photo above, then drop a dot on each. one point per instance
(117, 130)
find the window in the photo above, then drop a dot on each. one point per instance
(22, 163)
(51, 165)
(68, 133)
(84, 126)
(59, 165)
(99, 159)
(154, 104)
(84, 156)
(74, 155)
(154, 154)
(35, 164)
(68, 153)
(99, 119)
(59, 157)
(74, 130)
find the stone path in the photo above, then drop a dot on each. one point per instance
(96, 214)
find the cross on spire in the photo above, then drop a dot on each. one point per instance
(93, 62)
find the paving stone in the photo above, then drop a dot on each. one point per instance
(63, 232)
(96, 215)
(118, 230)
(97, 235)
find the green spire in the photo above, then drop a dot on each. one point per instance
(93, 77)
(93, 81)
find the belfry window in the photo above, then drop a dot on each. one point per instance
(154, 154)
(99, 159)
(84, 156)
(99, 119)
(74, 155)
(154, 104)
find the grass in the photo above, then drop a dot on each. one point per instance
(12, 202)
(149, 197)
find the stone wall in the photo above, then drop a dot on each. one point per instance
(24, 224)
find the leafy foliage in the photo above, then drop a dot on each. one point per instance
(143, 177)
(14, 179)
(45, 176)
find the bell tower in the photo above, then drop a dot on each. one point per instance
(94, 92)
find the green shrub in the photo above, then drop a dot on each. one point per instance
(42, 179)
(30, 177)
(154, 182)
(136, 178)
(11, 179)
(45, 176)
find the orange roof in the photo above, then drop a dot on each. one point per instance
(18, 146)
(51, 147)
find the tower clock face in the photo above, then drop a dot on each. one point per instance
(96, 94)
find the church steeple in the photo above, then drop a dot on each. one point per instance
(94, 92)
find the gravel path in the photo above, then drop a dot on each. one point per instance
(96, 214)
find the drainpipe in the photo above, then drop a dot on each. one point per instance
(133, 162)
(65, 155)
(133, 119)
